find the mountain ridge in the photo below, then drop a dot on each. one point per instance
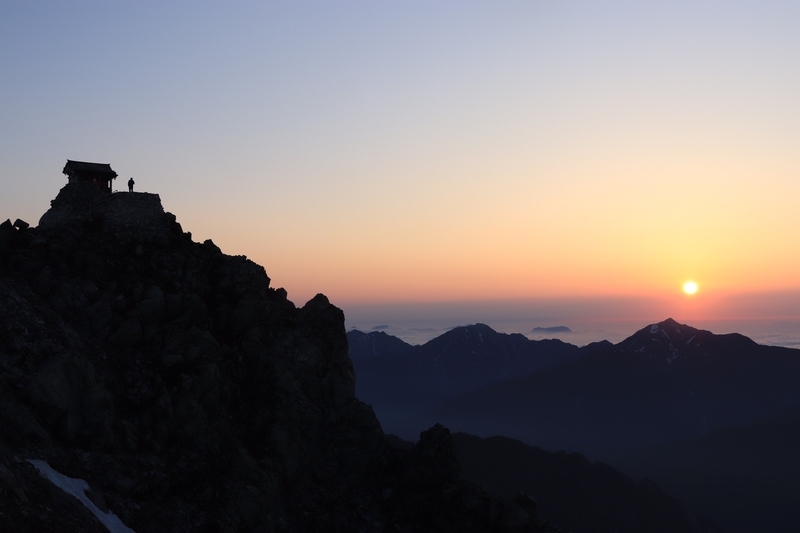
(667, 388)
(670, 339)
(400, 385)
(703, 414)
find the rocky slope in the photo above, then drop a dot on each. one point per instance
(192, 396)
(745, 478)
(582, 496)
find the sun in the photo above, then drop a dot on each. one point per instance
(690, 287)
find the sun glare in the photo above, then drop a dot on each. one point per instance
(690, 287)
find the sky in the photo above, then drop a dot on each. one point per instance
(397, 153)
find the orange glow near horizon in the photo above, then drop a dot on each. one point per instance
(583, 252)
(509, 257)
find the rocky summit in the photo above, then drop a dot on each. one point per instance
(190, 395)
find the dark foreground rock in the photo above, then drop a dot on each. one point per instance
(582, 496)
(192, 396)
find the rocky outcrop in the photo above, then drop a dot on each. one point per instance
(134, 213)
(193, 396)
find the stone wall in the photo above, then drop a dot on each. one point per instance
(71, 206)
(136, 213)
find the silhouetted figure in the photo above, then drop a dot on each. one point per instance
(130, 185)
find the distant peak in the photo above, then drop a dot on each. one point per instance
(667, 325)
(479, 326)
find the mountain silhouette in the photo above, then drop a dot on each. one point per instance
(667, 382)
(376, 343)
(401, 381)
(188, 394)
(712, 418)
(582, 496)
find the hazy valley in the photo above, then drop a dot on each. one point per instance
(712, 418)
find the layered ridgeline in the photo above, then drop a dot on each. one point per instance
(667, 382)
(712, 418)
(404, 382)
(581, 496)
(191, 396)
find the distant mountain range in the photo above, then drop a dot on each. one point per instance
(712, 417)
(667, 382)
(401, 381)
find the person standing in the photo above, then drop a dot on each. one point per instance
(130, 185)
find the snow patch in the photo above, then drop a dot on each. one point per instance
(654, 328)
(690, 340)
(76, 487)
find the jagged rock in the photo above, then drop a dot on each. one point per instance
(434, 460)
(21, 224)
(8, 234)
(191, 395)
